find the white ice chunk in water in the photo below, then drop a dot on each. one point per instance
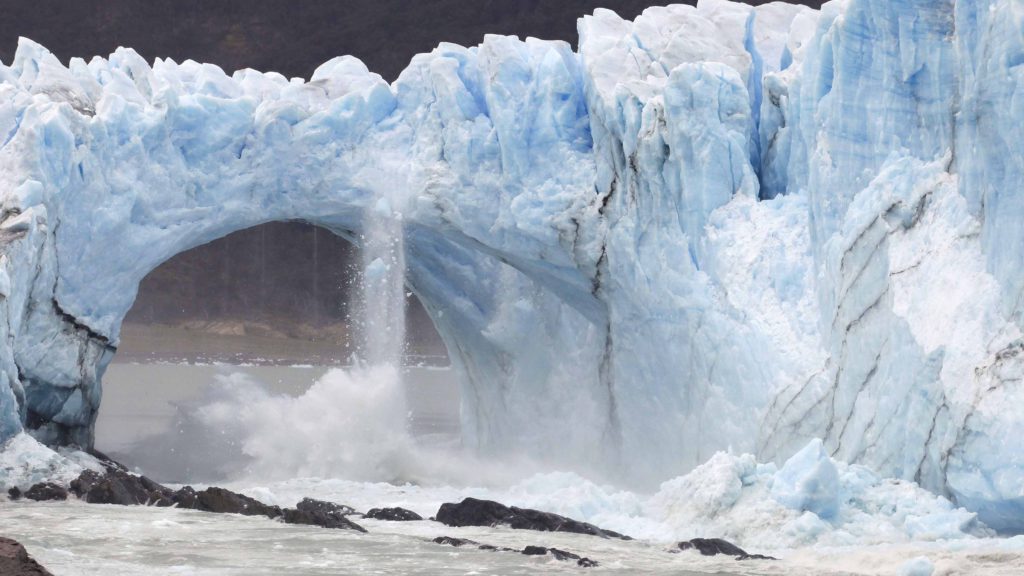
(809, 482)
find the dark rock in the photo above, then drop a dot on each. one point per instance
(712, 547)
(320, 513)
(450, 541)
(322, 507)
(559, 555)
(497, 548)
(185, 498)
(292, 516)
(46, 491)
(14, 493)
(563, 555)
(15, 561)
(118, 486)
(755, 557)
(529, 550)
(393, 514)
(474, 512)
(222, 501)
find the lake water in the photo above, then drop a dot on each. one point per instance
(281, 433)
(143, 423)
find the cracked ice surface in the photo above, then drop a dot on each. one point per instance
(585, 228)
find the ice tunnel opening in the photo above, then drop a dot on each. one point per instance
(264, 321)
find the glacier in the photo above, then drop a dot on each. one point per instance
(713, 227)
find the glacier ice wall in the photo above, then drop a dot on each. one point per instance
(714, 226)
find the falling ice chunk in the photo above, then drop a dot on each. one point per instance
(376, 271)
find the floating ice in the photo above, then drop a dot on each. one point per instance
(812, 499)
(920, 566)
(24, 462)
(809, 482)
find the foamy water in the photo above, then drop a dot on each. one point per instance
(333, 435)
(74, 539)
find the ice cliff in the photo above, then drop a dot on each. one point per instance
(712, 227)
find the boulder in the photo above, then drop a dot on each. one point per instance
(322, 507)
(393, 514)
(120, 487)
(528, 551)
(223, 501)
(716, 546)
(712, 547)
(185, 498)
(45, 491)
(756, 557)
(319, 513)
(493, 548)
(15, 561)
(474, 512)
(451, 541)
(559, 555)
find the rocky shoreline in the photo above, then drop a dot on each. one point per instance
(118, 486)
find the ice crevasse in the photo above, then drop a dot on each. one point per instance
(711, 227)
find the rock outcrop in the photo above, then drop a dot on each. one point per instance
(559, 555)
(323, 514)
(556, 553)
(393, 514)
(474, 512)
(222, 501)
(117, 486)
(45, 491)
(15, 561)
(717, 546)
(456, 542)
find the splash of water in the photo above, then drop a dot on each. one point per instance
(352, 424)
(349, 424)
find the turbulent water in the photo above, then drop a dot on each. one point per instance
(275, 449)
(177, 422)
(80, 539)
(138, 541)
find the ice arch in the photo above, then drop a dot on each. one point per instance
(584, 227)
(133, 165)
(521, 229)
(548, 228)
